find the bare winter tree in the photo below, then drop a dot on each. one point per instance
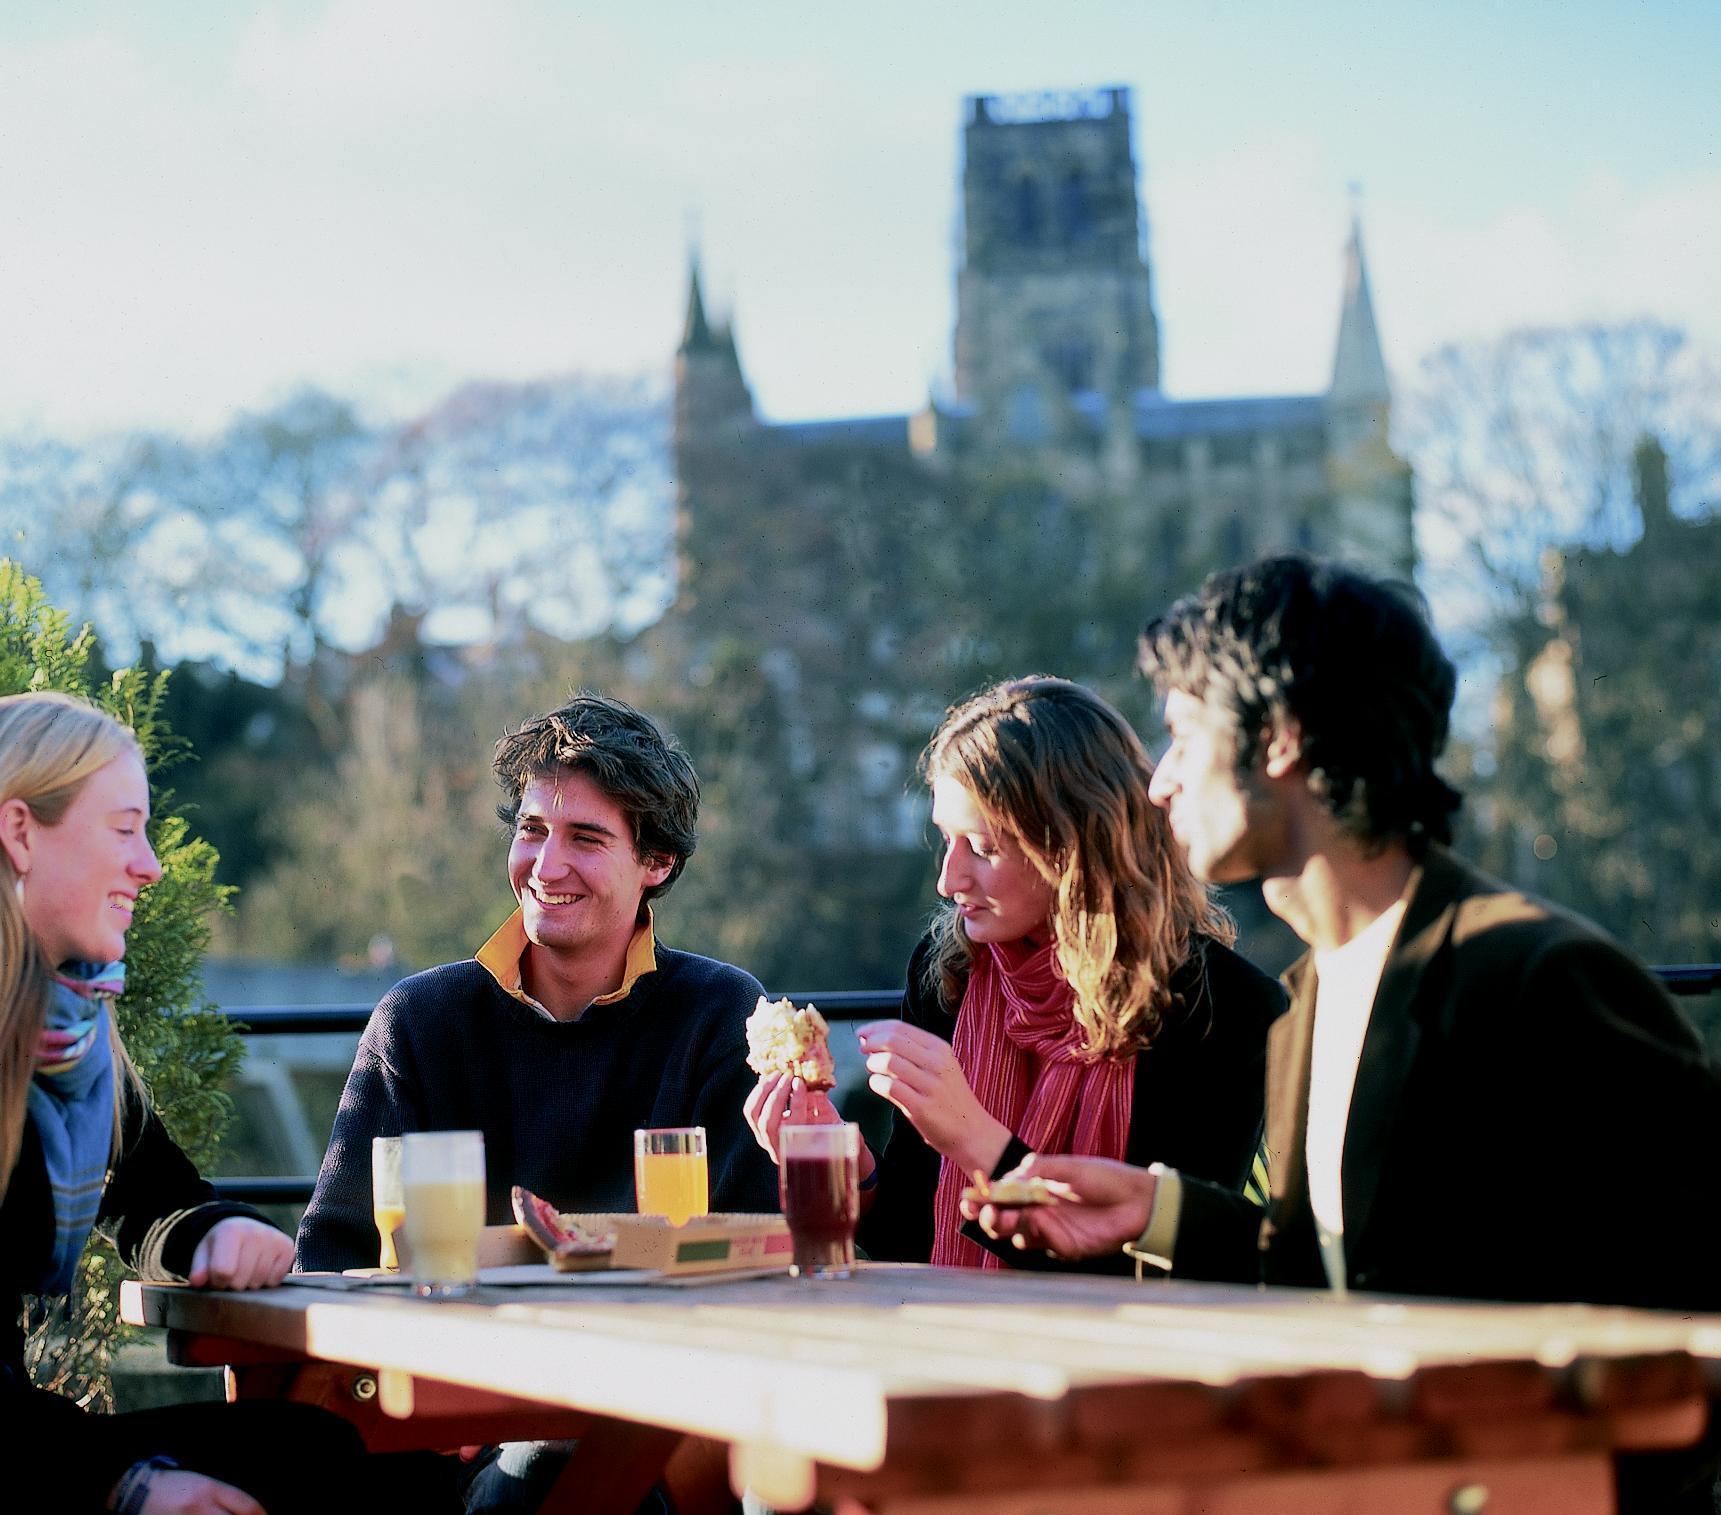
(1525, 442)
(1571, 483)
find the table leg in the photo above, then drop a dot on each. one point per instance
(613, 1467)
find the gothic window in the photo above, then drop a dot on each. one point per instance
(1075, 210)
(1162, 454)
(1233, 452)
(1027, 213)
(1071, 361)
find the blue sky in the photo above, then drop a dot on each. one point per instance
(204, 205)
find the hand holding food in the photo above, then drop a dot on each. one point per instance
(1092, 1205)
(1014, 1191)
(796, 1043)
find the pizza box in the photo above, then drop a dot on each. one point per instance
(721, 1243)
(706, 1244)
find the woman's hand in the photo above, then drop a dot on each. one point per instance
(765, 1108)
(240, 1253)
(917, 1072)
(173, 1491)
(778, 1099)
(1108, 1205)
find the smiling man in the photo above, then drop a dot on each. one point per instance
(572, 1025)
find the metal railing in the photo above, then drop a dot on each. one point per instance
(837, 1005)
(304, 1020)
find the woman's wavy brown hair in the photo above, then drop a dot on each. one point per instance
(1059, 772)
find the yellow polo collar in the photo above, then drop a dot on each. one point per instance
(503, 954)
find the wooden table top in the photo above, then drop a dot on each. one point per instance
(1016, 1365)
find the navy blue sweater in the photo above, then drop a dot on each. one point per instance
(558, 1102)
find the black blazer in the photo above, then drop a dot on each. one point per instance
(1533, 1119)
(1196, 1103)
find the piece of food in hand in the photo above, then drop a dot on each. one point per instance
(1013, 1193)
(559, 1235)
(782, 1039)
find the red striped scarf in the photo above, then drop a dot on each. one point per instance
(1019, 1047)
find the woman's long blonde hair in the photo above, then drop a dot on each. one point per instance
(1059, 772)
(50, 747)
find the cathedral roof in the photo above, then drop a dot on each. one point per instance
(1160, 418)
(869, 431)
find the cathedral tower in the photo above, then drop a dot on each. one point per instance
(1054, 303)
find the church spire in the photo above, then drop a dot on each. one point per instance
(1359, 369)
(697, 335)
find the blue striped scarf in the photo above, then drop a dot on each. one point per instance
(72, 1104)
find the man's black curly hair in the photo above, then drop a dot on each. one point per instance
(1350, 658)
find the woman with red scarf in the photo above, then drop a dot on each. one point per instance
(1077, 995)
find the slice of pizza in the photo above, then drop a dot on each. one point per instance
(558, 1234)
(1012, 1193)
(782, 1039)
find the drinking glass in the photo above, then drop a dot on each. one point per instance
(819, 1182)
(669, 1173)
(442, 1176)
(388, 1200)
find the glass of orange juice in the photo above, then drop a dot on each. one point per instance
(388, 1196)
(669, 1173)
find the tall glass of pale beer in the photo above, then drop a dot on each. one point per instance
(388, 1199)
(442, 1175)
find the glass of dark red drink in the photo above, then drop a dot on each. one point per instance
(819, 1181)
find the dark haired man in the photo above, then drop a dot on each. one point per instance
(1473, 1093)
(572, 1025)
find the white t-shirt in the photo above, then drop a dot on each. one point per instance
(1346, 979)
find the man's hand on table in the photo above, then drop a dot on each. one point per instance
(1108, 1205)
(240, 1253)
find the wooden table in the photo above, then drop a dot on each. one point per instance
(925, 1391)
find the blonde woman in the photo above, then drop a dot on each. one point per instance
(80, 1145)
(1077, 994)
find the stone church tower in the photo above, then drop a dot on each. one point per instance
(1055, 327)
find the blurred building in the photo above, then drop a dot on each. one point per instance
(855, 575)
(1057, 366)
(1608, 791)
